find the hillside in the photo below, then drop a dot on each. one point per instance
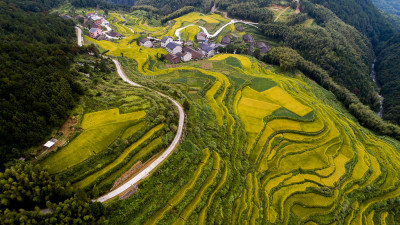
(178, 115)
(259, 143)
(390, 6)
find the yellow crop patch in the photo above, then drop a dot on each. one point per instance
(280, 97)
(245, 61)
(91, 120)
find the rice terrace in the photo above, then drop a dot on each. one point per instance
(260, 144)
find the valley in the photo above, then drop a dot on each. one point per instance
(210, 119)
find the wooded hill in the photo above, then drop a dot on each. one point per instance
(36, 89)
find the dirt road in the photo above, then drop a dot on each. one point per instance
(79, 36)
(150, 168)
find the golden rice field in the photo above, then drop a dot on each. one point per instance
(283, 150)
(308, 159)
(100, 129)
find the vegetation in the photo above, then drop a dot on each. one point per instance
(363, 15)
(37, 88)
(263, 143)
(336, 47)
(26, 189)
(388, 71)
(390, 6)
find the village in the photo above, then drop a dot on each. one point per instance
(178, 50)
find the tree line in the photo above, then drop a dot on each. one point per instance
(31, 196)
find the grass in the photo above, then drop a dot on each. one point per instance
(100, 130)
(209, 180)
(181, 193)
(89, 179)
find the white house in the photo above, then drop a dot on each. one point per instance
(185, 56)
(165, 40)
(94, 32)
(173, 48)
(145, 43)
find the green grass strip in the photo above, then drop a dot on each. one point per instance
(203, 212)
(94, 176)
(182, 192)
(197, 198)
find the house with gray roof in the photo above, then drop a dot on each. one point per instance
(206, 49)
(173, 48)
(165, 40)
(145, 42)
(248, 39)
(226, 40)
(264, 48)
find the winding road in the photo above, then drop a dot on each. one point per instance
(150, 168)
(177, 32)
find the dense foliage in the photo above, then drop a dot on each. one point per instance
(388, 70)
(36, 89)
(390, 6)
(338, 48)
(180, 12)
(169, 6)
(289, 59)
(250, 11)
(363, 15)
(122, 2)
(35, 6)
(26, 188)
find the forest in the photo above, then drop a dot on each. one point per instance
(388, 75)
(390, 6)
(27, 190)
(36, 89)
(363, 15)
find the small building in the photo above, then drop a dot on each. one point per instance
(67, 17)
(165, 40)
(172, 58)
(50, 143)
(201, 37)
(173, 48)
(207, 49)
(240, 28)
(248, 39)
(226, 40)
(195, 54)
(114, 34)
(185, 56)
(94, 32)
(263, 47)
(145, 42)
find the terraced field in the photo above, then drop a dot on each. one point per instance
(100, 129)
(259, 148)
(303, 158)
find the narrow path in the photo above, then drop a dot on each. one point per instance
(150, 168)
(125, 23)
(79, 36)
(279, 15)
(177, 32)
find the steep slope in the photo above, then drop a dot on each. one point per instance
(363, 15)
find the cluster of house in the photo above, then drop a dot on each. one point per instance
(95, 23)
(185, 53)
